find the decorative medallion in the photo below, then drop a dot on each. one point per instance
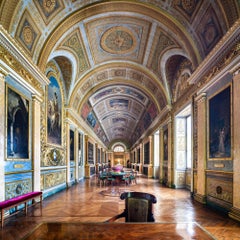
(118, 40)
(187, 7)
(49, 5)
(209, 30)
(28, 35)
(54, 157)
(49, 8)
(27, 32)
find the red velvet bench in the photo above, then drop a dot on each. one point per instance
(16, 201)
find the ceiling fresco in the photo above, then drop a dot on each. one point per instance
(123, 64)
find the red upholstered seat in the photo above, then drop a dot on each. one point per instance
(11, 202)
(14, 202)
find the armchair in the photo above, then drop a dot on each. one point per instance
(138, 207)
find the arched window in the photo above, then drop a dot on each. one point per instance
(118, 148)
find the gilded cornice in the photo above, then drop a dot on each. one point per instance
(14, 56)
(3, 72)
(226, 61)
(11, 62)
(186, 97)
(236, 71)
(224, 52)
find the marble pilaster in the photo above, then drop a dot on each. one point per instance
(141, 157)
(2, 136)
(87, 167)
(161, 153)
(36, 142)
(68, 177)
(170, 162)
(151, 156)
(202, 147)
(76, 147)
(235, 211)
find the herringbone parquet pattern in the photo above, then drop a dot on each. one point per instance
(84, 202)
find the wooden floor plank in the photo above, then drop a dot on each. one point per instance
(84, 203)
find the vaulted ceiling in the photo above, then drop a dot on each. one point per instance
(121, 64)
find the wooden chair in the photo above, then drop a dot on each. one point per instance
(138, 207)
(133, 177)
(102, 177)
(110, 179)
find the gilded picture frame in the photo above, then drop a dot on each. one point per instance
(165, 145)
(54, 112)
(80, 149)
(220, 125)
(18, 120)
(71, 136)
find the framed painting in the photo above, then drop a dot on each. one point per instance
(220, 125)
(80, 147)
(54, 113)
(90, 153)
(165, 145)
(17, 125)
(71, 145)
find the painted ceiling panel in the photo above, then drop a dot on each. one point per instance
(118, 109)
(122, 63)
(117, 37)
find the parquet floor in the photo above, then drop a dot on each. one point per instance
(84, 202)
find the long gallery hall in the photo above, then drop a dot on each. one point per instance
(119, 119)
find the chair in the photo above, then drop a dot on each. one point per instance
(133, 177)
(110, 179)
(126, 179)
(138, 207)
(102, 179)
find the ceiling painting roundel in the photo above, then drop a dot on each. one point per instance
(118, 40)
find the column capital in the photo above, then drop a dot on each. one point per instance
(3, 74)
(201, 97)
(236, 73)
(37, 98)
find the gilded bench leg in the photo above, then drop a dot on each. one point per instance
(41, 200)
(25, 208)
(2, 217)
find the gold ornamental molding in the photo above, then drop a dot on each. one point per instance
(118, 40)
(14, 57)
(236, 71)
(16, 67)
(227, 49)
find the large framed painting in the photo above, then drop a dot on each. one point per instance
(90, 153)
(54, 113)
(220, 125)
(17, 125)
(147, 153)
(71, 145)
(165, 145)
(80, 148)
